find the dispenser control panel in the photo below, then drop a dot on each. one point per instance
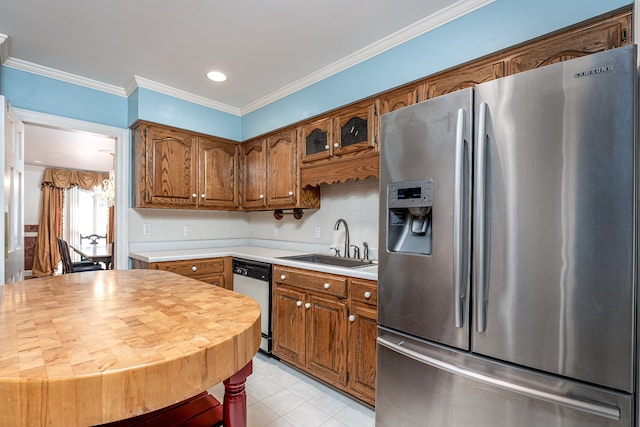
(409, 194)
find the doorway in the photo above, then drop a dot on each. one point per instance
(119, 164)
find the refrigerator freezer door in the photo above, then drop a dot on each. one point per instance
(428, 294)
(554, 226)
(420, 384)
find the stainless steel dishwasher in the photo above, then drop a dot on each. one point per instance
(253, 279)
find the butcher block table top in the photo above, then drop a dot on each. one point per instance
(94, 347)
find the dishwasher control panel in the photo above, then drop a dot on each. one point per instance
(253, 269)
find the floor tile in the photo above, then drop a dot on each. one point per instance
(307, 415)
(283, 402)
(279, 395)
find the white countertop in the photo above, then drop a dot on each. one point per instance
(255, 253)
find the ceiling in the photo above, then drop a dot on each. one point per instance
(266, 47)
(68, 149)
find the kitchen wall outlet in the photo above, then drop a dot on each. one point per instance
(316, 232)
(146, 229)
(187, 230)
(275, 230)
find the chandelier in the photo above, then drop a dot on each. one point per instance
(105, 193)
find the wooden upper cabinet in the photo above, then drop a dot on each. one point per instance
(282, 169)
(609, 33)
(218, 173)
(271, 177)
(401, 98)
(464, 77)
(167, 172)
(351, 148)
(254, 174)
(355, 128)
(174, 168)
(317, 139)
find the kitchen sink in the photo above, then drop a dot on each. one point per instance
(330, 260)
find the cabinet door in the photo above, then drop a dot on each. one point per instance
(464, 77)
(218, 174)
(171, 167)
(326, 338)
(401, 98)
(604, 35)
(355, 128)
(362, 351)
(254, 174)
(281, 169)
(289, 324)
(316, 139)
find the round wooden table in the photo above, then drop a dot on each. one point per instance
(95, 347)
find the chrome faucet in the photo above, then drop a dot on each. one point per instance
(346, 235)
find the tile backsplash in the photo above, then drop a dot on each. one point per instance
(356, 202)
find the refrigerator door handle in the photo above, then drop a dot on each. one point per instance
(591, 407)
(458, 224)
(479, 264)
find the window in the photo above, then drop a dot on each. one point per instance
(82, 215)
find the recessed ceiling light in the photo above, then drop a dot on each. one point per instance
(216, 76)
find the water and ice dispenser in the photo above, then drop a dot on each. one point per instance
(409, 220)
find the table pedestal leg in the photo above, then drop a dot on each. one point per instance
(234, 407)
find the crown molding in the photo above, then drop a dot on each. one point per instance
(5, 48)
(138, 81)
(423, 26)
(41, 70)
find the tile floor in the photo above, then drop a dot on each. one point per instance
(280, 396)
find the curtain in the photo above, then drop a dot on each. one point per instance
(54, 182)
(110, 226)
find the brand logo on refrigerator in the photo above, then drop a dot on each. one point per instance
(594, 71)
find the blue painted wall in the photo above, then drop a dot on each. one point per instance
(45, 95)
(160, 108)
(497, 26)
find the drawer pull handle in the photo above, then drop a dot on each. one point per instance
(367, 295)
(326, 147)
(307, 305)
(204, 196)
(336, 145)
(194, 268)
(327, 285)
(299, 303)
(262, 196)
(291, 193)
(283, 277)
(352, 318)
(194, 195)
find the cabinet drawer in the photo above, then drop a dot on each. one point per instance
(194, 268)
(313, 281)
(365, 291)
(214, 279)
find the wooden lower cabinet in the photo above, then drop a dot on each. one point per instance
(310, 322)
(321, 330)
(327, 337)
(216, 271)
(363, 330)
(289, 324)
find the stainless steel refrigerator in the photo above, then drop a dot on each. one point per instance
(508, 252)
